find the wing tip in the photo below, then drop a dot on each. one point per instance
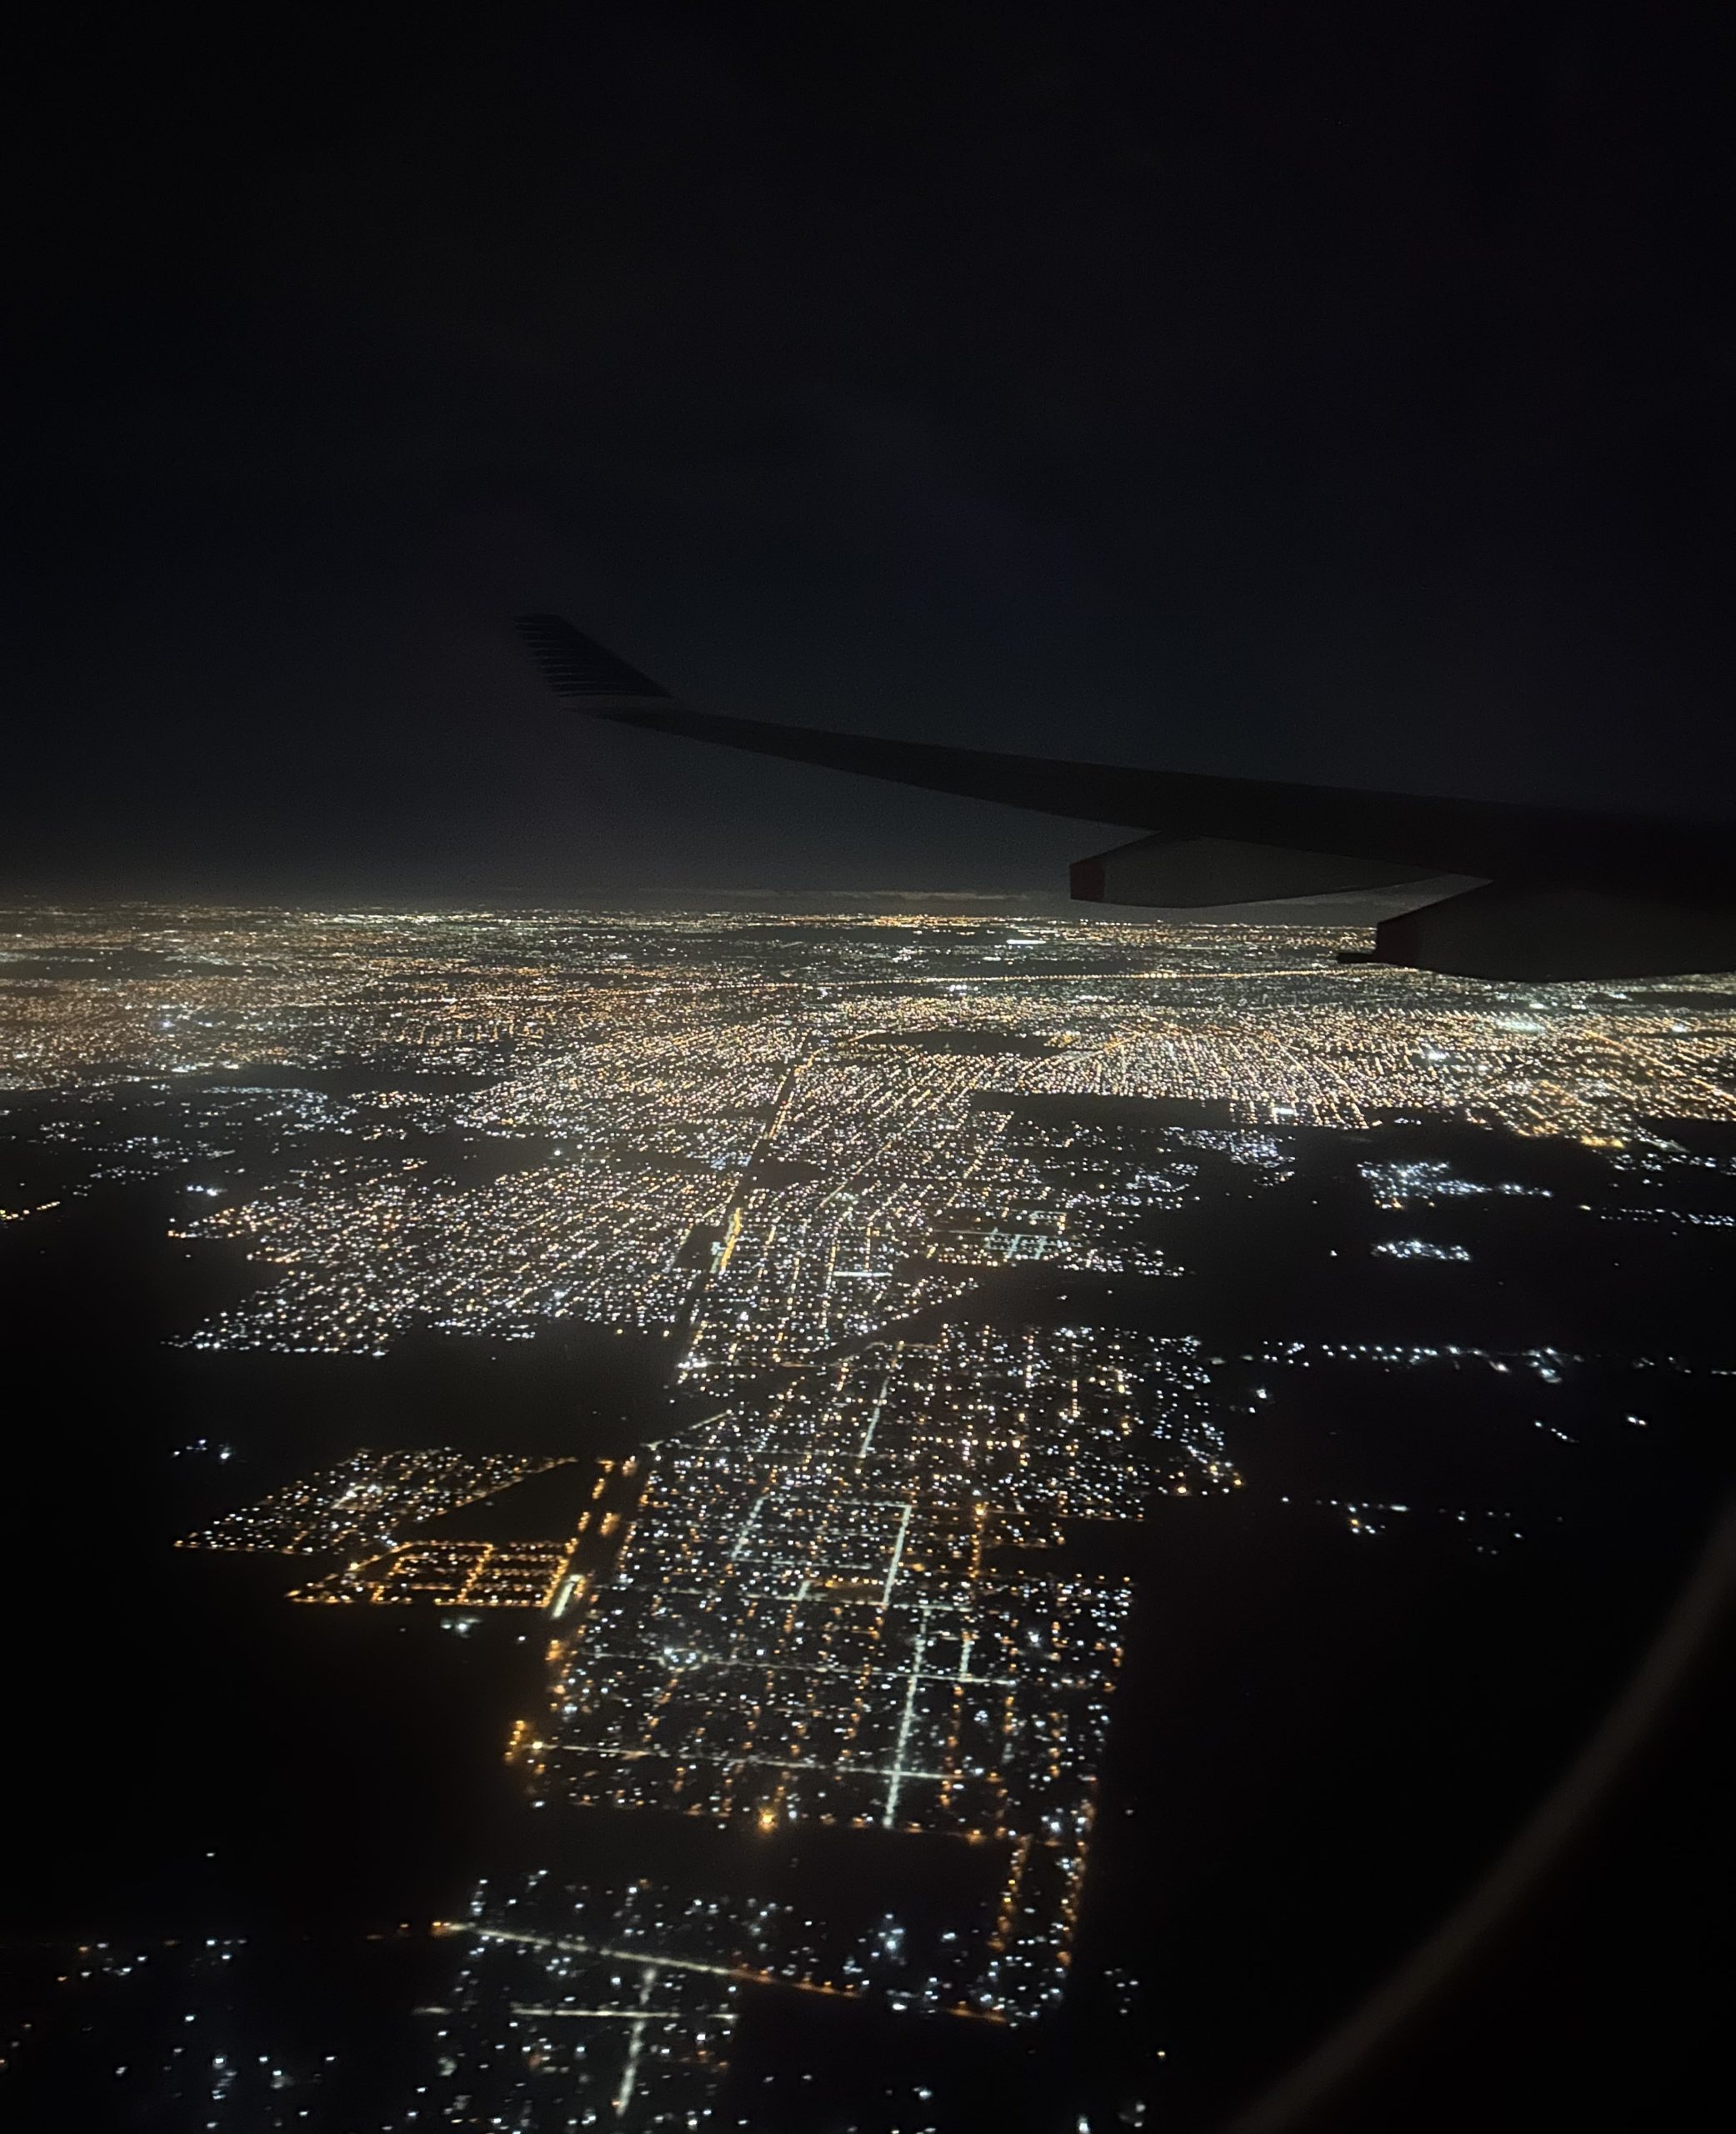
(580, 670)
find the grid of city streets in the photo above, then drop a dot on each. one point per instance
(844, 1591)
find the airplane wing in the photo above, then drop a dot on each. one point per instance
(1501, 891)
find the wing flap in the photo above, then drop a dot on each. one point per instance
(1182, 873)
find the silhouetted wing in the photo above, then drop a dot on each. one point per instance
(1412, 831)
(1552, 873)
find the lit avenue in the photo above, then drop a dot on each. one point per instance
(918, 1216)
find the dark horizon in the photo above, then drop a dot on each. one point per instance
(1341, 398)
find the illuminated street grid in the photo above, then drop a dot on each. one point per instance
(850, 1597)
(362, 1502)
(366, 1256)
(609, 2007)
(780, 1086)
(450, 1574)
(834, 1609)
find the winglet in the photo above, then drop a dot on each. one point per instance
(578, 668)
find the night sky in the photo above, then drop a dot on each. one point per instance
(1329, 393)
